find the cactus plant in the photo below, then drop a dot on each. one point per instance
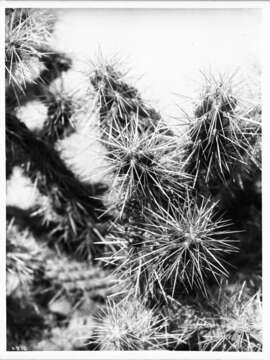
(183, 244)
(129, 325)
(221, 134)
(146, 166)
(238, 325)
(153, 255)
(28, 37)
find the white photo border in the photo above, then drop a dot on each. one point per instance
(185, 355)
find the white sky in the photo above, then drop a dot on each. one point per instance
(168, 47)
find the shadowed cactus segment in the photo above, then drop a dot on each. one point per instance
(117, 100)
(222, 134)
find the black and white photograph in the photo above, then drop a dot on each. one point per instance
(133, 146)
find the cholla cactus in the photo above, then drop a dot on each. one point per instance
(117, 100)
(129, 325)
(222, 134)
(237, 325)
(58, 124)
(28, 38)
(62, 106)
(181, 245)
(162, 235)
(144, 166)
(55, 180)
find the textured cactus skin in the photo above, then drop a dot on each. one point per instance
(165, 252)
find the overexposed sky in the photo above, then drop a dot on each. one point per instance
(165, 48)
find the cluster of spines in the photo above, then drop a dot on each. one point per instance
(129, 325)
(144, 166)
(236, 324)
(28, 38)
(117, 100)
(61, 108)
(181, 246)
(224, 156)
(222, 133)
